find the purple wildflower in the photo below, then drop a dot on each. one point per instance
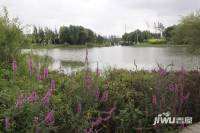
(20, 102)
(53, 84)
(104, 97)
(89, 130)
(185, 98)
(97, 94)
(107, 118)
(98, 121)
(30, 65)
(33, 97)
(14, 67)
(162, 71)
(7, 123)
(46, 72)
(38, 72)
(49, 92)
(45, 99)
(173, 87)
(49, 119)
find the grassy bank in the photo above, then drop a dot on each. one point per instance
(77, 46)
(116, 101)
(72, 63)
(158, 45)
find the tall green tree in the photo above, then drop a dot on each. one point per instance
(169, 32)
(41, 35)
(188, 31)
(11, 37)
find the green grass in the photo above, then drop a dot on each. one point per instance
(72, 63)
(158, 45)
(67, 46)
(156, 41)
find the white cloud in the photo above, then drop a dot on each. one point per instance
(103, 16)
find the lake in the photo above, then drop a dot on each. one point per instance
(145, 58)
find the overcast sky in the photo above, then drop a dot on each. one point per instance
(104, 17)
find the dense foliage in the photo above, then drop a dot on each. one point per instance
(138, 37)
(11, 37)
(169, 32)
(65, 35)
(116, 101)
(188, 31)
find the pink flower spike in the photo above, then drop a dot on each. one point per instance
(185, 98)
(98, 121)
(89, 130)
(33, 97)
(104, 97)
(45, 100)
(14, 67)
(97, 94)
(20, 102)
(49, 119)
(173, 87)
(7, 123)
(30, 65)
(162, 71)
(46, 72)
(53, 84)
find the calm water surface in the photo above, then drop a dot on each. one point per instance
(146, 58)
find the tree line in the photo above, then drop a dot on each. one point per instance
(66, 35)
(187, 32)
(138, 36)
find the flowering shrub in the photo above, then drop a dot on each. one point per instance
(111, 102)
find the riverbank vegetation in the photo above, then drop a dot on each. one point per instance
(68, 46)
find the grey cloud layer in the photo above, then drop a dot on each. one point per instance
(103, 16)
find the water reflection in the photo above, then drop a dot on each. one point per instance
(122, 57)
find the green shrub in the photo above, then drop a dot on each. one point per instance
(157, 41)
(11, 37)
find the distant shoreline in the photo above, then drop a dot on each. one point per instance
(74, 46)
(78, 46)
